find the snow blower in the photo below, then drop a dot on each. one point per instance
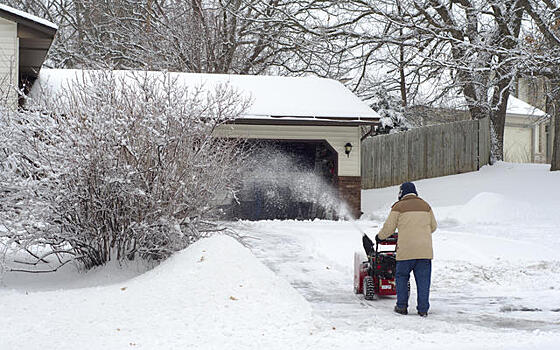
(374, 274)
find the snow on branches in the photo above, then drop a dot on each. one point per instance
(115, 167)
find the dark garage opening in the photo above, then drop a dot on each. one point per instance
(288, 180)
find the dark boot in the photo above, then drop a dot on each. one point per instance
(401, 310)
(423, 314)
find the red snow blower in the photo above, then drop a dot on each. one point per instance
(374, 274)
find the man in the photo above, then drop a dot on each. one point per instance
(415, 222)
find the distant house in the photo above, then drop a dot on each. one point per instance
(24, 43)
(526, 134)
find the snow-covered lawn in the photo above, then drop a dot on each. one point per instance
(213, 295)
(496, 282)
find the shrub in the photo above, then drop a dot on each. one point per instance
(118, 165)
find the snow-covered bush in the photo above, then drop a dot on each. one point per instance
(116, 167)
(391, 111)
(388, 106)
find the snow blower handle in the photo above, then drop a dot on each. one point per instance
(389, 240)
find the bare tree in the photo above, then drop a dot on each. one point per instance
(542, 39)
(122, 166)
(459, 48)
(216, 36)
(555, 159)
(467, 47)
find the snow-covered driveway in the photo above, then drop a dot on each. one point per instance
(496, 269)
(287, 251)
(474, 286)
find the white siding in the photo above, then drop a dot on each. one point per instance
(525, 139)
(8, 62)
(517, 144)
(336, 136)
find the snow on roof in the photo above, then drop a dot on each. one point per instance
(519, 107)
(453, 99)
(271, 96)
(28, 16)
(515, 106)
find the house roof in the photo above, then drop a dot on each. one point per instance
(518, 107)
(35, 36)
(272, 97)
(515, 107)
(19, 16)
(454, 100)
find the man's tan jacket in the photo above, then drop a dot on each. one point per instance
(414, 219)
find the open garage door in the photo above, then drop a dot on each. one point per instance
(288, 180)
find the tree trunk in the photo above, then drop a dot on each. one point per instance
(402, 77)
(498, 119)
(555, 161)
(500, 99)
(402, 64)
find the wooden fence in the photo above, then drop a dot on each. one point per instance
(425, 152)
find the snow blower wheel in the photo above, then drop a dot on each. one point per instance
(369, 288)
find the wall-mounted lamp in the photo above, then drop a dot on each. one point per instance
(348, 149)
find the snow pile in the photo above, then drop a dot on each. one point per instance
(525, 187)
(513, 201)
(214, 294)
(488, 207)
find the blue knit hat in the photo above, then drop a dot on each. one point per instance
(407, 188)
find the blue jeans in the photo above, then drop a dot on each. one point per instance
(422, 274)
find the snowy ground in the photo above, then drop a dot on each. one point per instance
(496, 282)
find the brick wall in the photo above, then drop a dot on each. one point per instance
(350, 191)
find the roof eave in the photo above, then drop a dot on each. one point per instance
(311, 121)
(532, 116)
(48, 30)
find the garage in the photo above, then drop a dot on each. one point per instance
(311, 124)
